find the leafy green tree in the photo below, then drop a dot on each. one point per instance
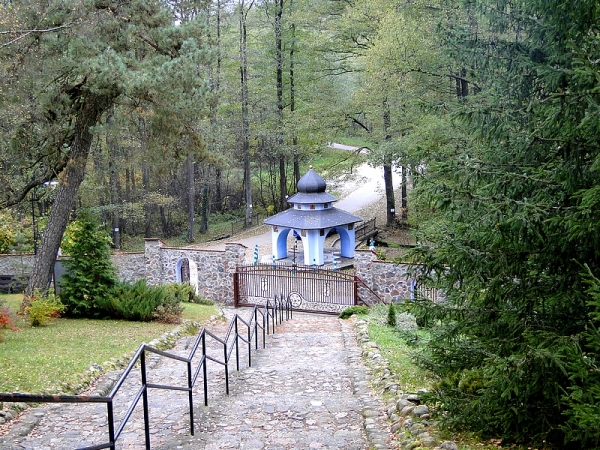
(509, 213)
(64, 65)
(87, 286)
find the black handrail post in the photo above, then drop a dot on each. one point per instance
(191, 396)
(267, 316)
(274, 321)
(265, 325)
(237, 347)
(256, 328)
(226, 360)
(204, 362)
(145, 399)
(111, 424)
(249, 347)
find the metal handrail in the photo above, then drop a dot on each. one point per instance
(271, 309)
(365, 228)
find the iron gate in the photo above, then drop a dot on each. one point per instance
(309, 288)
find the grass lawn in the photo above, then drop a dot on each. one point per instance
(393, 346)
(35, 359)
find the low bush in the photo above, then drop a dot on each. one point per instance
(43, 309)
(187, 294)
(143, 303)
(203, 301)
(358, 309)
(5, 321)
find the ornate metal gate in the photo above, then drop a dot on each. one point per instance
(309, 288)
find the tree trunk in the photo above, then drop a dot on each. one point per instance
(66, 194)
(280, 106)
(205, 199)
(292, 109)
(218, 192)
(389, 194)
(404, 193)
(245, 113)
(147, 206)
(282, 184)
(191, 186)
(114, 179)
(387, 170)
(293, 100)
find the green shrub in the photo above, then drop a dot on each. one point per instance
(90, 277)
(186, 293)
(43, 309)
(358, 309)
(583, 398)
(203, 301)
(169, 312)
(143, 303)
(391, 317)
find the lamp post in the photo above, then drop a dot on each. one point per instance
(295, 249)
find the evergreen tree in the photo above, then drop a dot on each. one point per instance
(90, 276)
(511, 216)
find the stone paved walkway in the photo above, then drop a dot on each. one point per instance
(307, 390)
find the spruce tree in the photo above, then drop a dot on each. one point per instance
(511, 220)
(90, 276)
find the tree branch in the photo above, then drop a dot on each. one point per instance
(25, 33)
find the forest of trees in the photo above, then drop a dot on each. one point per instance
(159, 115)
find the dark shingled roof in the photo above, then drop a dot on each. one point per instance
(312, 199)
(313, 219)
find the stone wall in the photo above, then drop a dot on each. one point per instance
(211, 270)
(390, 281)
(16, 264)
(131, 266)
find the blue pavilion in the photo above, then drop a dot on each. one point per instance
(312, 218)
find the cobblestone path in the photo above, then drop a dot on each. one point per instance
(307, 390)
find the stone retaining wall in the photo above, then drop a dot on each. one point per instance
(211, 271)
(390, 281)
(16, 264)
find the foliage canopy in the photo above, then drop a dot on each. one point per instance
(510, 218)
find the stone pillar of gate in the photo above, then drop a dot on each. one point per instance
(154, 262)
